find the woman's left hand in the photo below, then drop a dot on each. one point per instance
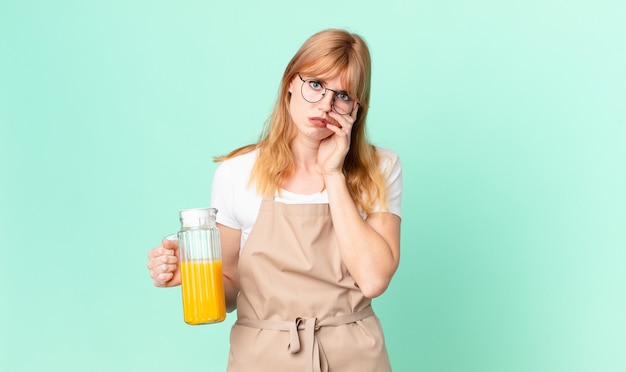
(333, 149)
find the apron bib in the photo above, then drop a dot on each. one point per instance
(299, 309)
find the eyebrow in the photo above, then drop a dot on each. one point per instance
(318, 79)
(314, 78)
(324, 82)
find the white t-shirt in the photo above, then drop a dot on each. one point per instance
(238, 203)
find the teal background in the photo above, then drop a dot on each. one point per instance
(509, 118)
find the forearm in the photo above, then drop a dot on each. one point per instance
(231, 290)
(230, 240)
(371, 256)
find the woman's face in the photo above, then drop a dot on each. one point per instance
(311, 118)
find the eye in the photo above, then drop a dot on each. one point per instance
(315, 85)
(344, 96)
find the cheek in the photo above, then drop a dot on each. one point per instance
(296, 104)
(292, 103)
(294, 108)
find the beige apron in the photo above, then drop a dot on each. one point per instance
(299, 309)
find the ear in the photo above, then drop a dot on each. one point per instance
(291, 87)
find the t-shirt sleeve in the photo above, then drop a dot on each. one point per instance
(222, 196)
(392, 170)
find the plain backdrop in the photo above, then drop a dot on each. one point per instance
(509, 118)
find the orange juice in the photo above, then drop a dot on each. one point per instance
(203, 291)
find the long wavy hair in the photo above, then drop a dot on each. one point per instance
(326, 54)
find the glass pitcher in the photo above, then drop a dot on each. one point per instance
(200, 260)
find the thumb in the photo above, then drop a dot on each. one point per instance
(170, 242)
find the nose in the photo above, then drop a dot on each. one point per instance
(326, 103)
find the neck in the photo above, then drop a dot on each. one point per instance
(305, 154)
(306, 178)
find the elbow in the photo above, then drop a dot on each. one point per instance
(375, 283)
(231, 292)
(231, 303)
(374, 288)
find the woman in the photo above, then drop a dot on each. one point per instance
(309, 220)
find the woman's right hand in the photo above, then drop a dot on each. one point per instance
(163, 264)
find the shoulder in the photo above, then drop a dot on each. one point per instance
(237, 167)
(232, 194)
(240, 161)
(232, 175)
(389, 161)
(391, 168)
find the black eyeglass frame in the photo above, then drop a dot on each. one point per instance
(335, 94)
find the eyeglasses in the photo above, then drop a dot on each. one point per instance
(313, 91)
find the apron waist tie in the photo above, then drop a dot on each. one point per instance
(319, 363)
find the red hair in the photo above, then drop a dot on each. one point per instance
(326, 54)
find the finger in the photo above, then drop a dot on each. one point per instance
(335, 119)
(351, 118)
(170, 244)
(162, 269)
(162, 259)
(155, 252)
(160, 251)
(346, 121)
(161, 279)
(159, 271)
(355, 112)
(336, 129)
(345, 129)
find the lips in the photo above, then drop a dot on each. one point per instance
(321, 122)
(318, 122)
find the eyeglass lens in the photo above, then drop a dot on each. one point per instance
(313, 91)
